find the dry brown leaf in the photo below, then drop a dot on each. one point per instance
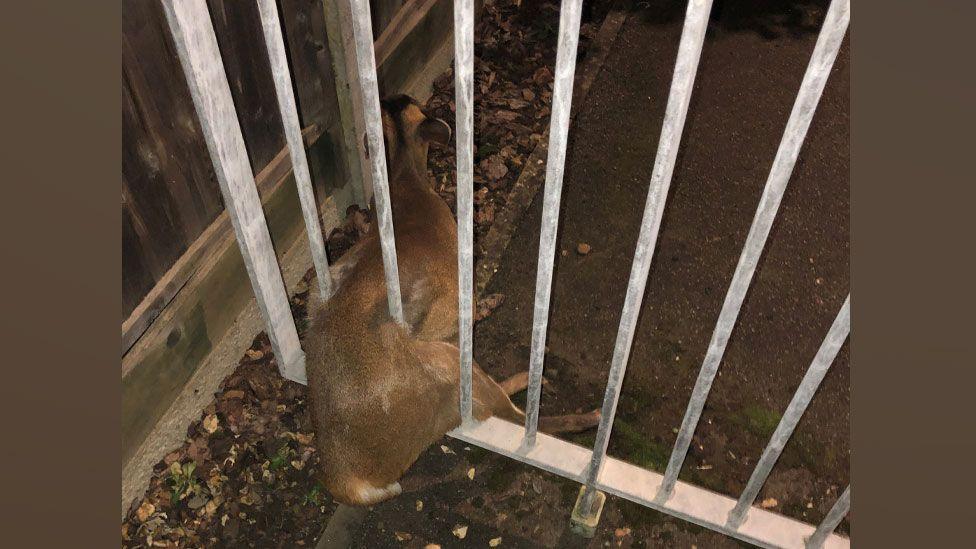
(254, 354)
(485, 214)
(494, 167)
(199, 450)
(495, 542)
(583, 248)
(487, 305)
(210, 423)
(403, 536)
(471, 473)
(621, 532)
(145, 511)
(768, 503)
(460, 530)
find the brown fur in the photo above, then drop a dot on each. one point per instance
(381, 393)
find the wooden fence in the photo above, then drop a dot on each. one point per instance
(183, 280)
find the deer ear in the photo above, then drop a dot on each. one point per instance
(434, 129)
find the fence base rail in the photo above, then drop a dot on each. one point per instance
(622, 479)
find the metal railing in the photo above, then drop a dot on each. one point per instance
(197, 48)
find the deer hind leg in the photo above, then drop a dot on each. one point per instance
(515, 384)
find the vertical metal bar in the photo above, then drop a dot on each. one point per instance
(562, 100)
(801, 399)
(818, 70)
(296, 146)
(840, 509)
(464, 121)
(196, 45)
(366, 65)
(686, 66)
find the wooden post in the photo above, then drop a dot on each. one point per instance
(196, 44)
(338, 28)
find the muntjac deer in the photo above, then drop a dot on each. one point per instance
(381, 393)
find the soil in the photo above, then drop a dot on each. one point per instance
(244, 476)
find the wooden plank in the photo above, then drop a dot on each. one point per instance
(219, 231)
(412, 41)
(196, 44)
(207, 306)
(237, 26)
(349, 99)
(136, 277)
(309, 54)
(382, 13)
(401, 26)
(168, 186)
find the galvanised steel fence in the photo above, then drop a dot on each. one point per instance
(598, 474)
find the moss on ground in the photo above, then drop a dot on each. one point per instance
(758, 420)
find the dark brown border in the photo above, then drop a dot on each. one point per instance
(913, 368)
(61, 230)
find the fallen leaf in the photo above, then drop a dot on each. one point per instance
(528, 94)
(487, 305)
(621, 532)
(175, 455)
(583, 248)
(403, 536)
(254, 354)
(471, 473)
(446, 450)
(432, 546)
(494, 167)
(485, 215)
(198, 451)
(196, 502)
(145, 511)
(459, 530)
(420, 505)
(303, 439)
(494, 542)
(235, 393)
(769, 502)
(210, 423)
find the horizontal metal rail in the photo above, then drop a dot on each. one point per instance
(686, 66)
(196, 46)
(824, 54)
(271, 26)
(791, 417)
(622, 479)
(362, 32)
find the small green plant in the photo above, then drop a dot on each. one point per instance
(280, 459)
(314, 496)
(182, 481)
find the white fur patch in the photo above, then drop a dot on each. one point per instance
(369, 494)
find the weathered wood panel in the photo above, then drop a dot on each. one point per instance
(382, 12)
(311, 62)
(168, 182)
(239, 36)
